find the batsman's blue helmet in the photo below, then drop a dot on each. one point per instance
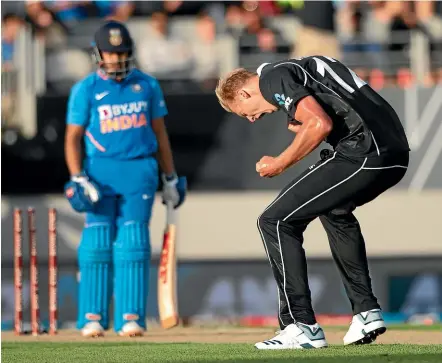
(114, 37)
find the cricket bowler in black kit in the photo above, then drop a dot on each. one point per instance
(324, 101)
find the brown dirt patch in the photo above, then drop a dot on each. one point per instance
(224, 335)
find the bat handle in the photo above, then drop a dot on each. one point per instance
(170, 213)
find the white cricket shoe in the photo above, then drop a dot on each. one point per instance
(296, 336)
(131, 329)
(365, 327)
(93, 329)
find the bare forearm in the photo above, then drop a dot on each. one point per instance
(307, 139)
(165, 157)
(73, 156)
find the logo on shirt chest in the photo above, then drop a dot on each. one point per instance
(100, 96)
(122, 117)
(283, 100)
(136, 88)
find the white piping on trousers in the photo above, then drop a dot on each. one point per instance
(325, 191)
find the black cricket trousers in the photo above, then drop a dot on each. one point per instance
(331, 190)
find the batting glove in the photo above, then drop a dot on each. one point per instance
(82, 193)
(174, 189)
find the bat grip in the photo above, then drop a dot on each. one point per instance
(170, 213)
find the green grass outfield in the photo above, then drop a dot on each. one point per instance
(197, 352)
(67, 348)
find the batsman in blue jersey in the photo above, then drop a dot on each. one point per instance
(119, 113)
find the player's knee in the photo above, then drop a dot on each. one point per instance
(266, 218)
(96, 243)
(133, 242)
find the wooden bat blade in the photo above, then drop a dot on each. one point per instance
(167, 299)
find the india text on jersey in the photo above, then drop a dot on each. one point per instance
(122, 117)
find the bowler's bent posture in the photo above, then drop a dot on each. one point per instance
(119, 112)
(324, 101)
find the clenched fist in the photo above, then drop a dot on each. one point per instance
(269, 167)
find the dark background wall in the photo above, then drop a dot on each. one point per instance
(217, 150)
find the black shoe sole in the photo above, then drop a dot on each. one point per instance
(370, 337)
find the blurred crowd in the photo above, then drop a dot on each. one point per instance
(361, 33)
(367, 29)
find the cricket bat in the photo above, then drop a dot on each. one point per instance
(167, 285)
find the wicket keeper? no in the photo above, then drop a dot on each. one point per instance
(119, 111)
(324, 101)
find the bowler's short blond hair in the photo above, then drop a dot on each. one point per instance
(228, 86)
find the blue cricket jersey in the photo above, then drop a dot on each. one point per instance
(117, 116)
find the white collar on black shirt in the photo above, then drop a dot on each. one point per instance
(259, 70)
